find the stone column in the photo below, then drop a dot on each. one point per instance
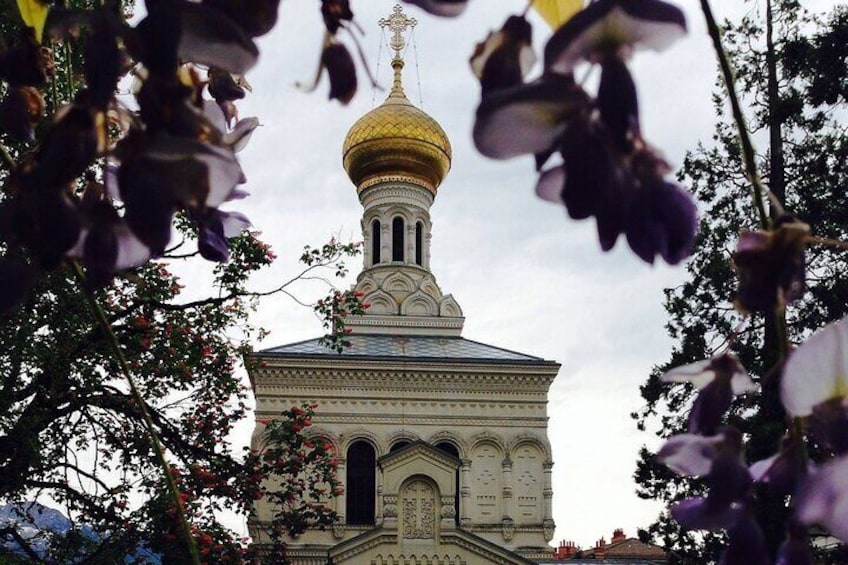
(385, 242)
(465, 493)
(507, 489)
(340, 501)
(409, 252)
(547, 489)
(427, 237)
(378, 505)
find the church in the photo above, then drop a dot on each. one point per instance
(443, 444)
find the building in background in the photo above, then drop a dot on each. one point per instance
(445, 457)
(620, 550)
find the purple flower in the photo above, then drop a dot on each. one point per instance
(662, 220)
(444, 8)
(529, 118)
(718, 380)
(771, 266)
(784, 470)
(613, 27)
(823, 498)
(719, 460)
(608, 171)
(505, 57)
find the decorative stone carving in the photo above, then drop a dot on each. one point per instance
(448, 510)
(508, 529)
(548, 527)
(419, 512)
(390, 506)
(338, 531)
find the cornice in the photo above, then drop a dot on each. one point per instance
(400, 419)
(288, 381)
(408, 365)
(376, 181)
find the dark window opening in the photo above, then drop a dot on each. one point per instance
(419, 243)
(450, 448)
(397, 239)
(375, 242)
(398, 445)
(360, 486)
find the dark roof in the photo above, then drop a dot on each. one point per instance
(409, 347)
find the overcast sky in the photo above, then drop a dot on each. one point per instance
(527, 277)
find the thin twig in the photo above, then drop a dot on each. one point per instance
(748, 153)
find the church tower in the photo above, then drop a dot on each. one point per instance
(397, 156)
(444, 453)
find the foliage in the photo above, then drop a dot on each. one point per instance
(106, 379)
(701, 318)
(302, 471)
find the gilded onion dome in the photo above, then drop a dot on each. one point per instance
(396, 139)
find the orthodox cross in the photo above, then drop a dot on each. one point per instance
(397, 23)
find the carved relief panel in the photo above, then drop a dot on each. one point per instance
(486, 486)
(527, 472)
(419, 510)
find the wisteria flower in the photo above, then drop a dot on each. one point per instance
(529, 118)
(505, 57)
(771, 266)
(613, 27)
(823, 498)
(106, 243)
(719, 460)
(783, 470)
(817, 371)
(718, 379)
(444, 8)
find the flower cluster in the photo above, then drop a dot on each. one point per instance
(335, 56)
(608, 170)
(813, 390)
(301, 466)
(175, 154)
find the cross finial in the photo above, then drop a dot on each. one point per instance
(397, 22)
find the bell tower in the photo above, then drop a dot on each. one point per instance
(397, 157)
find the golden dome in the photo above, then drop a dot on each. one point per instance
(396, 139)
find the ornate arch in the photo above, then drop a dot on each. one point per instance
(488, 437)
(347, 439)
(449, 307)
(529, 438)
(419, 508)
(398, 282)
(381, 302)
(420, 304)
(328, 436)
(451, 437)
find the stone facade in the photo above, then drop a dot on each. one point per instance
(444, 453)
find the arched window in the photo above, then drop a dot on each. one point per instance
(360, 485)
(397, 239)
(398, 445)
(419, 243)
(375, 242)
(451, 449)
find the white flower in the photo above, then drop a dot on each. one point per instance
(690, 454)
(702, 373)
(817, 371)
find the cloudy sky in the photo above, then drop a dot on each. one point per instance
(527, 277)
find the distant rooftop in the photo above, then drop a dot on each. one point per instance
(412, 347)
